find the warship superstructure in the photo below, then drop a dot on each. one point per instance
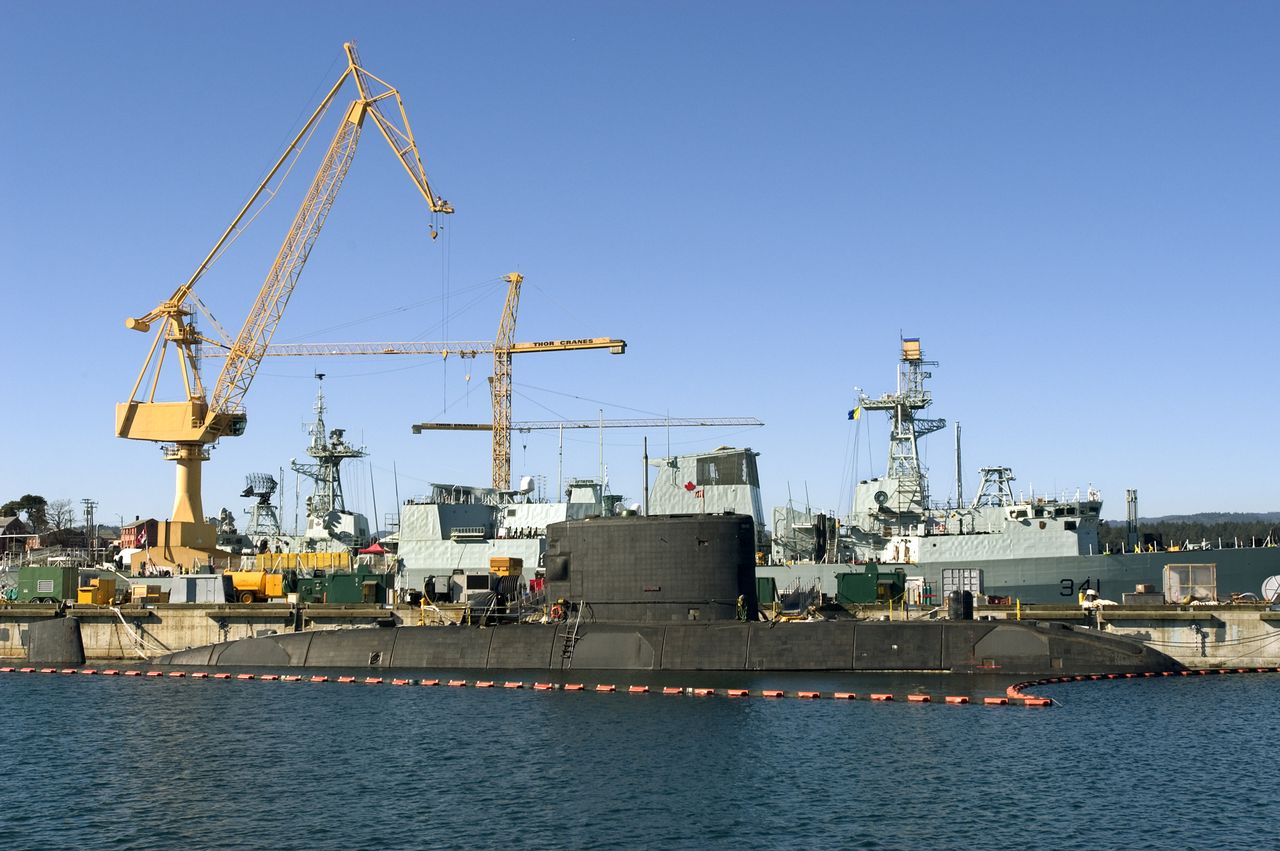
(1036, 548)
(330, 528)
(447, 538)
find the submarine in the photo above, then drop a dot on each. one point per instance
(672, 593)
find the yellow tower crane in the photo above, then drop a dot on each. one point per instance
(188, 428)
(502, 348)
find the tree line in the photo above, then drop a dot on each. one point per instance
(41, 514)
(1227, 530)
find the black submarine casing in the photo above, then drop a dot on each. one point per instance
(660, 594)
(670, 568)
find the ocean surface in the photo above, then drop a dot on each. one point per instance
(94, 762)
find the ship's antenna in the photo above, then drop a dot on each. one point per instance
(373, 492)
(644, 494)
(395, 474)
(959, 471)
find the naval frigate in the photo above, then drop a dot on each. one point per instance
(1036, 548)
(331, 527)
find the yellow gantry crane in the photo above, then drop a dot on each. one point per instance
(188, 428)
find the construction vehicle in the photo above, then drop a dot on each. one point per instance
(255, 586)
(187, 429)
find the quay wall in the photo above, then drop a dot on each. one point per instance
(134, 632)
(1225, 636)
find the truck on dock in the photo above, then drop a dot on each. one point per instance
(256, 586)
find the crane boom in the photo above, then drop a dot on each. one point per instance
(255, 335)
(552, 425)
(459, 348)
(188, 427)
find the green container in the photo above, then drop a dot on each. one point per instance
(51, 583)
(348, 589)
(854, 589)
(766, 591)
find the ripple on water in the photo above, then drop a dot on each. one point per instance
(185, 763)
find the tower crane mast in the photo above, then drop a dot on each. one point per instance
(187, 428)
(502, 348)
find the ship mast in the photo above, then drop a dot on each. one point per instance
(329, 449)
(903, 407)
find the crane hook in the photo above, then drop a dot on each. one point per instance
(434, 233)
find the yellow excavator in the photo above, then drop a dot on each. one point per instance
(187, 428)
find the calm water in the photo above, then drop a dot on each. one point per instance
(159, 763)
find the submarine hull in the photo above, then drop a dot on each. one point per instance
(1023, 648)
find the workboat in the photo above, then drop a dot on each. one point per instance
(1038, 548)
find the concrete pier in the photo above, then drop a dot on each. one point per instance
(1212, 636)
(127, 633)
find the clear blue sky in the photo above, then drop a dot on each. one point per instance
(1074, 205)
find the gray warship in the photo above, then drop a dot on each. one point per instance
(331, 528)
(1038, 548)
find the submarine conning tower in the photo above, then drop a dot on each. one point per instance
(676, 567)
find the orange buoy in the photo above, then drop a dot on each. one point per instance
(573, 686)
(995, 701)
(513, 685)
(737, 692)
(845, 695)
(919, 698)
(957, 699)
(672, 690)
(808, 695)
(457, 683)
(538, 686)
(772, 692)
(637, 689)
(603, 687)
(882, 697)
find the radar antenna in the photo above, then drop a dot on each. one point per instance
(911, 397)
